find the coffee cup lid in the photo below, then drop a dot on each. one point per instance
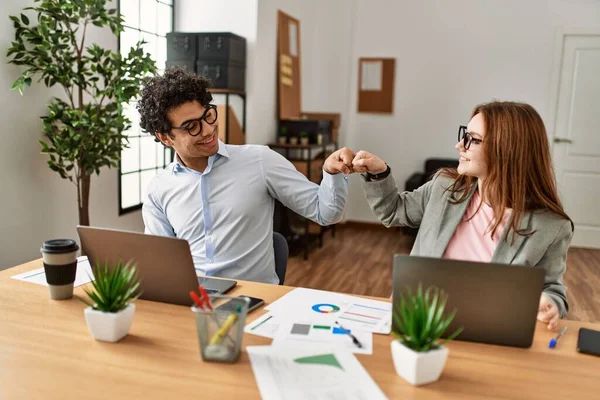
(59, 246)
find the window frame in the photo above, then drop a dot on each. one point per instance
(168, 153)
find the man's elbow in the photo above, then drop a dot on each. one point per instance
(331, 218)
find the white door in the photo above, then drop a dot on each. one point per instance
(576, 141)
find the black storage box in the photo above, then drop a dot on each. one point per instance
(223, 47)
(223, 75)
(182, 46)
(313, 127)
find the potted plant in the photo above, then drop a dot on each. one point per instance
(293, 140)
(110, 314)
(304, 138)
(84, 127)
(283, 135)
(419, 322)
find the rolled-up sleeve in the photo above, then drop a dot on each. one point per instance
(323, 204)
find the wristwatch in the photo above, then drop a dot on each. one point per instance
(379, 176)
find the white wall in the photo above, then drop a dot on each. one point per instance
(325, 50)
(322, 40)
(35, 203)
(450, 56)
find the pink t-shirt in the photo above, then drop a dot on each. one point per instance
(472, 240)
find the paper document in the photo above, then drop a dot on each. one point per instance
(265, 325)
(292, 334)
(321, 307)
(371, 75)
(311, 373)
(38, 276)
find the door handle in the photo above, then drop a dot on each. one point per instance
(562, 140)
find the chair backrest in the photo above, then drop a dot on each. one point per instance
(432, 165)
(280, 247)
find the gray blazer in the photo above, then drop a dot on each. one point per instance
(428, 208)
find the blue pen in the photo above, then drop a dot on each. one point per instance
(553, 341)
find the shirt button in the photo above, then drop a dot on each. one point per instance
(212, 260)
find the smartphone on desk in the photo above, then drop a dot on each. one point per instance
(255, 302)
(588, 341)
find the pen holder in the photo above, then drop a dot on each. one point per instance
(220, 331)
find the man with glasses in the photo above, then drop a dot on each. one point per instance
(218, 197)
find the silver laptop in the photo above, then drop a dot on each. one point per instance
(495, 303)
(164, 264)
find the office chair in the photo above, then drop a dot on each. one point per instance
(280, 247)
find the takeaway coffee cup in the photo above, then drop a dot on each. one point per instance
(60, 265)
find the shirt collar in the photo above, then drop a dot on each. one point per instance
(179, 166)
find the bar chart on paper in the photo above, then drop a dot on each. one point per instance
(323, 335)
(365, 317)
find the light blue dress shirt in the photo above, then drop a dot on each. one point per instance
(226, 212)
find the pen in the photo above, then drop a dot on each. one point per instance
(226, 326)
(196, 299)
(205, 297)
(354, 339)
(554, 341)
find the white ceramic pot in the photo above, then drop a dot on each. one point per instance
(418, 368)
(109, 327)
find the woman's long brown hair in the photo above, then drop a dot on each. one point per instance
(520, 173)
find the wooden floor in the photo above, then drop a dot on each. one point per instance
(359, 259)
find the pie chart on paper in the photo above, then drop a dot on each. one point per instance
(325, 308)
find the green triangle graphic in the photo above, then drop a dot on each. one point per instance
(323, 359)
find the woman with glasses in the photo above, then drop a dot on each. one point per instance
(500, 205)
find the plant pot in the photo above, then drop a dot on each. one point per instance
(304, 141)
(293, 140)
(109, 327)
(418, 368)
(282, 139)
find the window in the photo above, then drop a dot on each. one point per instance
(149, 20)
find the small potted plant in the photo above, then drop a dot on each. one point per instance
(110, 314)
(304, 138)
(283, 135)
(293, 140)
(419, 322)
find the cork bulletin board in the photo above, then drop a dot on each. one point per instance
(376, 85)
(288, 66)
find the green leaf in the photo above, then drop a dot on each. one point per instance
(420, 321)
(24, 19)
(114, 286)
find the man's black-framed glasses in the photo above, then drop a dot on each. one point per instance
(194, 126)
(466, 137)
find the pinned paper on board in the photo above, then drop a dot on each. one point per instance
(371, 75)
(293, 34)
(286, 70)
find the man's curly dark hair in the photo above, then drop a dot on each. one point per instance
(162, 93)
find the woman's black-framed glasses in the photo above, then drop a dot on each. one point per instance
(466, 137)
(194, 127)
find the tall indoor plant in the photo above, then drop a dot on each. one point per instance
(84, 130)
